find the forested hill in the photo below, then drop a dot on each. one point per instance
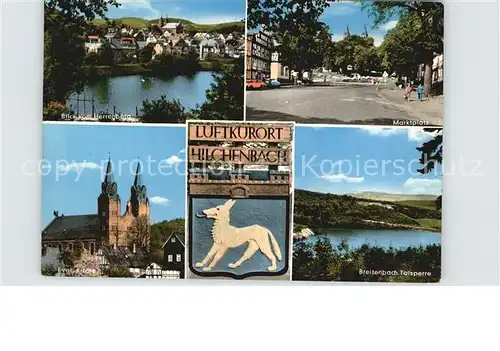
(318, 210)
(190, 27)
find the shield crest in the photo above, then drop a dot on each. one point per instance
(239, 199)
(239, 238)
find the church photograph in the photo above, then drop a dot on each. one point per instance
(113, 202)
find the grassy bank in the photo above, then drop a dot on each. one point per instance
(131, 69)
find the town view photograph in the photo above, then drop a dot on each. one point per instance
(113, 208)
(143, 61)
(339, 62)
(367, 204)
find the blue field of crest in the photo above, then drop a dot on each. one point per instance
(270, 214)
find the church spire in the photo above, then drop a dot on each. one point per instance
(138, 175)
(138, 193)
(347, 33)
(108, 186)
(108, 178)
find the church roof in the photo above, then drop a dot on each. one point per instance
(179, 237)
(124, 256)
(73, 228)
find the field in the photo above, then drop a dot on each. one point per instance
(431, 204)
(138, 23)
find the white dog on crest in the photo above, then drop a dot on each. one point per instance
(226, 237)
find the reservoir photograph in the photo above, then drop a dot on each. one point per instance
(367, 204)
(143, 62)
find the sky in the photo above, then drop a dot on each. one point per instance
(198, 11)
(375, 159)
(341, 14)
(75, 158)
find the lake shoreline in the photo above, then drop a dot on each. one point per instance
(131, 69)
(384, 238)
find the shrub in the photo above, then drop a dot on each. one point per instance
(163, 110)
(49, 270)
(53, 110)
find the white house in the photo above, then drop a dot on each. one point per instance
(151, 39)
(155, 271)
(201, 36)
(208, 46)
(93, 43)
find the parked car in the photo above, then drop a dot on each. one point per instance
(273, 83)
(255, 84)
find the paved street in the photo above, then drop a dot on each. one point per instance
(348, 103)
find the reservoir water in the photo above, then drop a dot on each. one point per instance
(398, 239)
(122, 95)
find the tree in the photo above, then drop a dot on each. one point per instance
(163, 110)
(355, 50)
(304, 39)
(425, 18)
(160, 232)
(305, 48)
(140, 231)
(432, 154)
(225, 96)
(66, 22)
(87, 265)
(106, 55)
(281, 15)
(146, 54)
(69, 257)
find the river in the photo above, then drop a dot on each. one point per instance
(398, 239)
(122, 95)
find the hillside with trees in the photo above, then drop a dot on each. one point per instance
(190, 27)
(327, 211)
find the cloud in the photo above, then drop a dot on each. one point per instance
(182, 151)
(389, 25)
(414, 133)
(418, 134)
(173, 160)
(143, 6)
(337, 178)
(377, 40)
(423, 186)
(381, 131)
(342, 8)
(158, 200)
(76, 166)
(214, 19)
(337, 37)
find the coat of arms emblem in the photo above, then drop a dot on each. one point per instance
(239, 198)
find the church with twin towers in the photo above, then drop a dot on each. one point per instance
(109, 226)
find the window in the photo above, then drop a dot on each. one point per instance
(173, 240)
(60, 247)
(92, 248)
(70, 246)
(113, 227)
(178, 258)
(170, 258)
(104, 214)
